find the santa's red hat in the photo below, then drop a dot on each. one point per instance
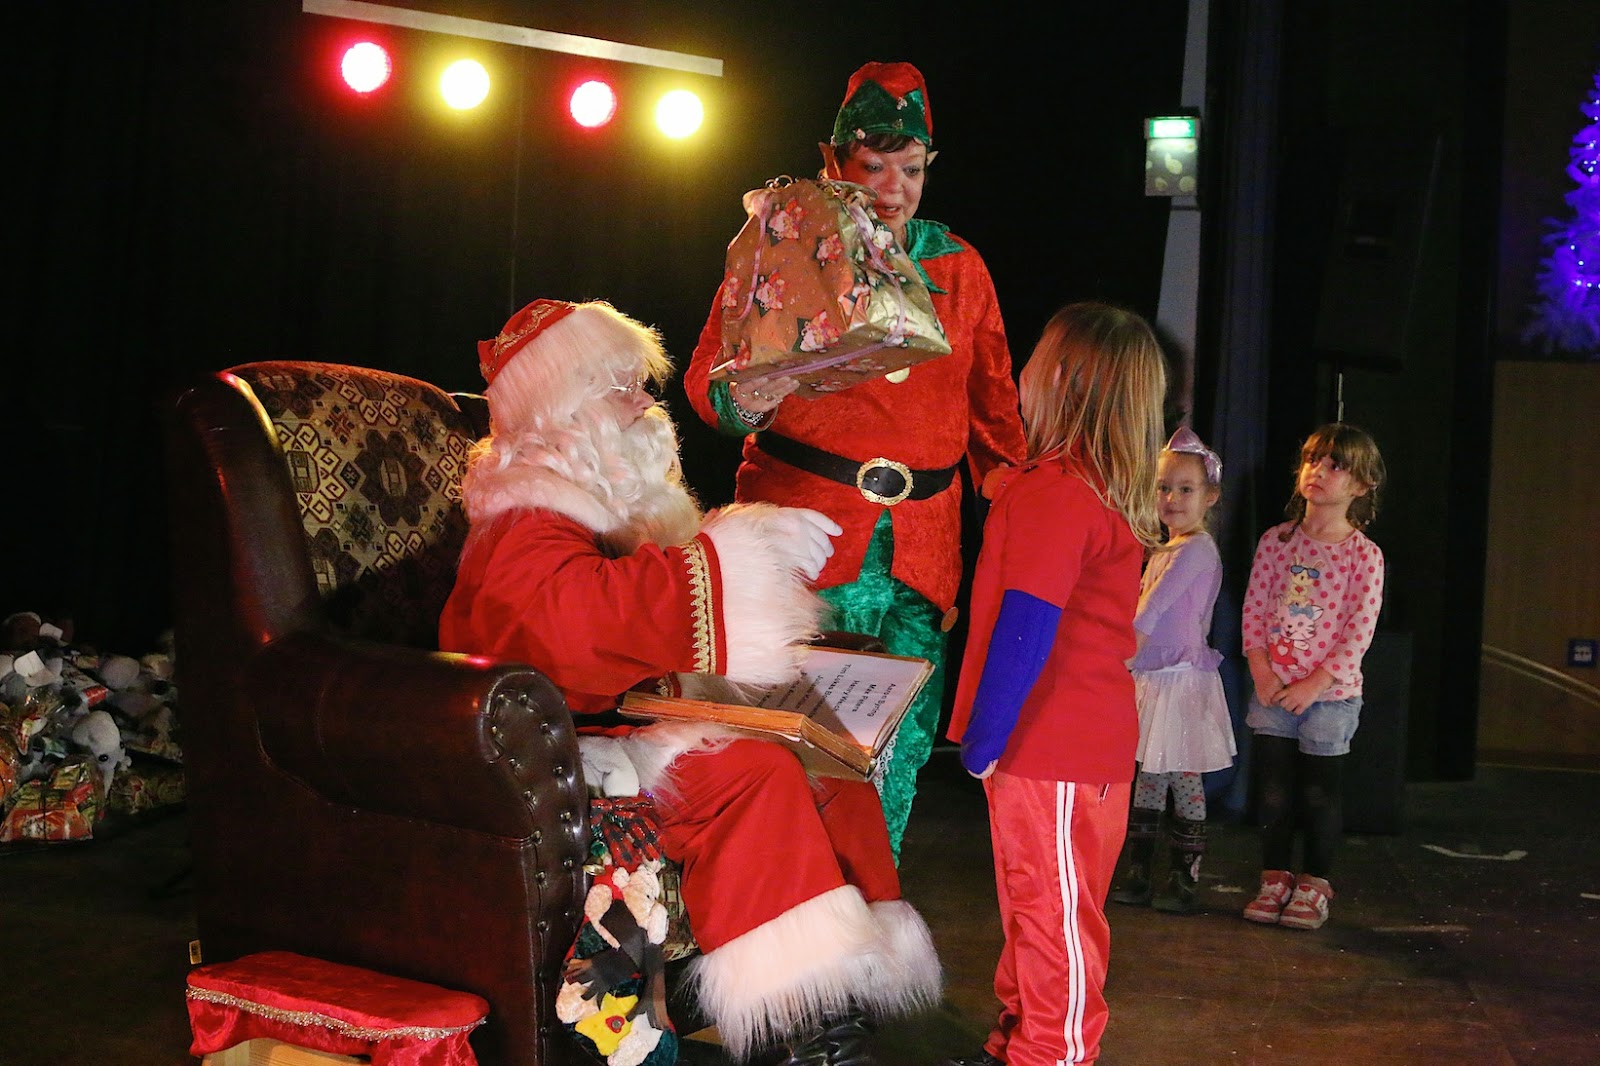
(553, 357)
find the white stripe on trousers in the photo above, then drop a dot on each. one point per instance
(1067, 879)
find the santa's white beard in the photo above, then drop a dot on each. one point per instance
(647, 480)
(624, 483)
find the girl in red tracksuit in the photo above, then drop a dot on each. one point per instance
(1045, 708)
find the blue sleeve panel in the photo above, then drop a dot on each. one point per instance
(1023, 635)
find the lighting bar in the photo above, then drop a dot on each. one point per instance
(523, 36)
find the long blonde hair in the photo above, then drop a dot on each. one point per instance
(1093, 390)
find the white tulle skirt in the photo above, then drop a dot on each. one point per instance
(1183, 721)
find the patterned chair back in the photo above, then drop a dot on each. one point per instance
(376, 460)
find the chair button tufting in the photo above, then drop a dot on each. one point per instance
(560, 771)
(540, 877)
(538, 836)
(544, 727)
(566, 816)
(523, 698)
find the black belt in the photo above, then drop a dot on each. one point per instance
(882, 481)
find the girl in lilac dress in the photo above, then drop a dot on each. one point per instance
(1184, 728)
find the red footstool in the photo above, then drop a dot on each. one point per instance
(325, 1006)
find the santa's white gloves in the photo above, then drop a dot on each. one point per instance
(807, 536)
(797, 538)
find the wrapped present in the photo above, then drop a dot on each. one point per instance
(818, 290)
(10, 767)
(145, 787)
(63, 806)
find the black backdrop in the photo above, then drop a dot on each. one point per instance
(192, 190)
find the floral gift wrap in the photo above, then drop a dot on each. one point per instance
(817, 289)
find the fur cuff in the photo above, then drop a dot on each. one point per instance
(652, 750)
(768, 610)
(813, 962)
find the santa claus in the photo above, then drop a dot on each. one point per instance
(590, 560)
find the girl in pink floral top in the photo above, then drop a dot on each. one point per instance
(1309, 615)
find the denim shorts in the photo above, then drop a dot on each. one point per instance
(1324, 729)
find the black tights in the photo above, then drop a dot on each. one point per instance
(1295, 790)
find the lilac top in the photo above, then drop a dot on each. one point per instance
(1176, 596)
(1313, 604)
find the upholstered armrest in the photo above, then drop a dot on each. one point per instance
(452, 739)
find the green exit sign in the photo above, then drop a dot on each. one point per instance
(1164, 129)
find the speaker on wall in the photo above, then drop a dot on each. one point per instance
(1387, 178)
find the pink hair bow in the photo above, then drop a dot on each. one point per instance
(1186, 440)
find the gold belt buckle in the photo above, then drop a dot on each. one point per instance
(877, 497)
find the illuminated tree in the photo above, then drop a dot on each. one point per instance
(1566, 316)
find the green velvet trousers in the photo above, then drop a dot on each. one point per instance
(878, 605)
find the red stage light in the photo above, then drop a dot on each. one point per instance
(365, 67)
(593, 104)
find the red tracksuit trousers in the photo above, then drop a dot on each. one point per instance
(1055, 851)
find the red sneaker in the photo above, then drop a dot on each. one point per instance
(1276, 887)
(1308, 908)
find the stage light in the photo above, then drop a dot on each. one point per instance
(679, 113)
(464, 84)
(592, 104)
(365, 67)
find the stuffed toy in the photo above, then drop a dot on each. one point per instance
(97, 733)
(613, 992)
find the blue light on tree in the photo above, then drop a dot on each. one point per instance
(1566, 316)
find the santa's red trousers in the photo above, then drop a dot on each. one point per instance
(756, 837)
(1055, 851)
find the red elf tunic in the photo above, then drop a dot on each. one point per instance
(959, 405)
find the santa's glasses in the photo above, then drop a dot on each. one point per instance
(632, 388)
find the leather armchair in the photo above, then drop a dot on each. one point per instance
(355, 794)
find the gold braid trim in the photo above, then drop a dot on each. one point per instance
(344, 1028)
(702, 608)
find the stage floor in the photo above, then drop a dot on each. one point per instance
(1471, 936)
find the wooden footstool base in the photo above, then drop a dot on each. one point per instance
(267, 1008)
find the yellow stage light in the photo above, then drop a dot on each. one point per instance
(679, 113)
(464, 84)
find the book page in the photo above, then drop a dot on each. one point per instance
(852, 693)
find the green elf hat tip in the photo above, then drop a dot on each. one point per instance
(884, 98)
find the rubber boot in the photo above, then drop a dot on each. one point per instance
(1135, 883)
(1182, 892)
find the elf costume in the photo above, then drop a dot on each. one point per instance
(882, 458)
(589, 560)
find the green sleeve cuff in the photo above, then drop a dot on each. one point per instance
(730, 419)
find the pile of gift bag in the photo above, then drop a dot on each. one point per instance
(84, 736)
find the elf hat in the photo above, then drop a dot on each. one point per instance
(884, 98)
(554, 357)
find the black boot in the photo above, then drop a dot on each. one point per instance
(837, 1041)
(1181, 894)
(1134, 883)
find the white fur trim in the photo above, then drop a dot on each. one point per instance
(768, 610)
(816, 961)
(654, 748)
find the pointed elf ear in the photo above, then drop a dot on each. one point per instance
(931, 157)
(830, 160)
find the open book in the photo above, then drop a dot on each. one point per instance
(838, 716)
